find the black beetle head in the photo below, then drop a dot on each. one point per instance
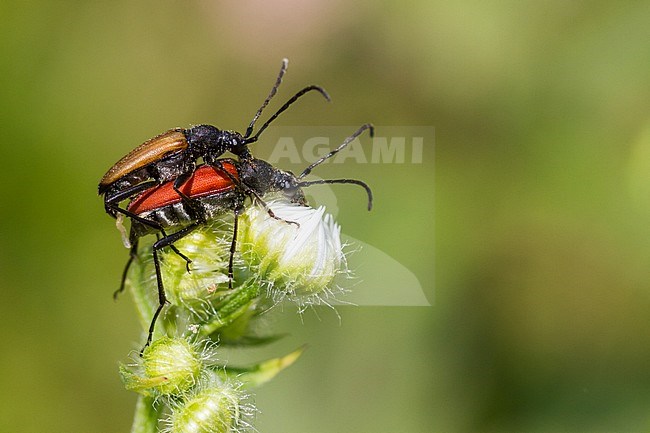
(210, 142)
(284, 181)
(235, 143)
(241, 150)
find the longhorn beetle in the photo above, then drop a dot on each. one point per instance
(217, 191)
(173, 155)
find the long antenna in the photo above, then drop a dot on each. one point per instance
(286, 105)
(352, 181)
(335, 151)
(274, 89)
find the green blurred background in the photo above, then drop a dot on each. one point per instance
(537, 268)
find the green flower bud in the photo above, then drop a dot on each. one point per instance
(209, 249)
(296, 259)
(168, 366)
(217, 409)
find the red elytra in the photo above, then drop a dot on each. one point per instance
(205, 180)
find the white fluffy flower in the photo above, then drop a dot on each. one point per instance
(297, 259)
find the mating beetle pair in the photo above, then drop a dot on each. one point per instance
(168, 190)
(173, 154)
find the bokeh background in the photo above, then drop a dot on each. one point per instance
(527, 227)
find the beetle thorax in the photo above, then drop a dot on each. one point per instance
(263, 178)
(205, 139)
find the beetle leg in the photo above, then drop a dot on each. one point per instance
(259, 199)
(111, 203)
(182, 256)
(156, 226)
(168, 240)
(218, 166)
(237, 211)
(251, 192)
(133, 253)
(165, 241)
(233, 248)
(194, 206)
(162, 299)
